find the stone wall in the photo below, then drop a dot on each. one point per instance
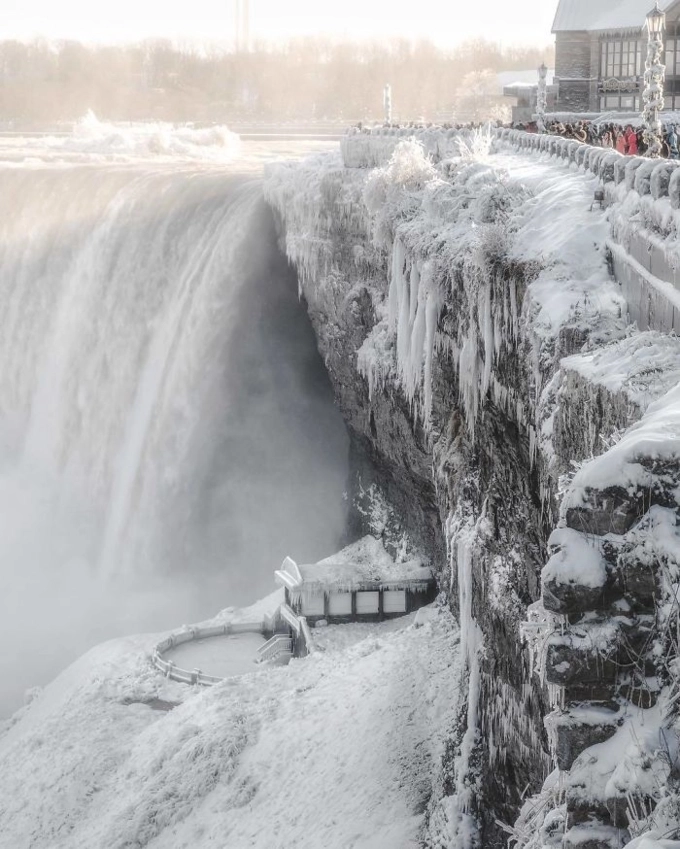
(574, 71)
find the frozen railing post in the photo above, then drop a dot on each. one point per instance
(541, 98)
(655, 73)
(387, 102)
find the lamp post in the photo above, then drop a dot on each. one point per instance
(387, 102)
(541, 98)
(655, 73)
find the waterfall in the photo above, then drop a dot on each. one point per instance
(167, 430)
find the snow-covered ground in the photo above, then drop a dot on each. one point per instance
(337, 751)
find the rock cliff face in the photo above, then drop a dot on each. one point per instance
(461, 299)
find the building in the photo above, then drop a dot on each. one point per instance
(362, 583)
(600, 49)
(522, 87)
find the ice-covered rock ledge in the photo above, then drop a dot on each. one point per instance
(465, 310)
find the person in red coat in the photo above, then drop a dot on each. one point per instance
(621, 142)
(631, 141)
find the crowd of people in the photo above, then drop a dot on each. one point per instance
(626, 139)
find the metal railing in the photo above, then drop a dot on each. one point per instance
(186, 635)
(278, 645)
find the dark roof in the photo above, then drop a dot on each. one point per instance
(604, 15)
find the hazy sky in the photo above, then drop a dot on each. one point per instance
(444, 21)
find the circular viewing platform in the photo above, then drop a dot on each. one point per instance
(219, 657)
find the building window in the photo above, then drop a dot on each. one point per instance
(340, 604)
(367, 603)
(619, 103)
(394, 601)
(313, 605)
(672, 56)
(619, 59)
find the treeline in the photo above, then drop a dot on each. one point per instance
(307, 79)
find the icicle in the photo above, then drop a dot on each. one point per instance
(488, 337)
(432, 310)
(397, 282)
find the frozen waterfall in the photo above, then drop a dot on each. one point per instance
(167, 431)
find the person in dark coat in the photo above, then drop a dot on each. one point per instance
(672, 140)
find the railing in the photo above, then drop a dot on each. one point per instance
(641, 261)
(278, 645)
(196, 676)
(306, 644)
(373, 148)
(658, 177)
(302, 641)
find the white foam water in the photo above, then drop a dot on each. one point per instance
(167, 433)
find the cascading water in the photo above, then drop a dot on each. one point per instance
(167, 431)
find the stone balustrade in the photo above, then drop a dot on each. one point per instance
(373, 148)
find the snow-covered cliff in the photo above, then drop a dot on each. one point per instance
(480, 352)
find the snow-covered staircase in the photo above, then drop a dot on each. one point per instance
(277, 649)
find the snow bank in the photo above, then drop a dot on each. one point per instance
(337, 750)
(365, 561)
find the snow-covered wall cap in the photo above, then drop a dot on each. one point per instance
(656, 437)
(604, 15)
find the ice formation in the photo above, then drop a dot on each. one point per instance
(489, 276)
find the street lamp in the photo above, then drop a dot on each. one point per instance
(387, 102)
(541, 98)
(655, 73)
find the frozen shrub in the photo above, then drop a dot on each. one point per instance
(392, 193)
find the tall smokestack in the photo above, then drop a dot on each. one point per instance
(246, 25)
(242, 25)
